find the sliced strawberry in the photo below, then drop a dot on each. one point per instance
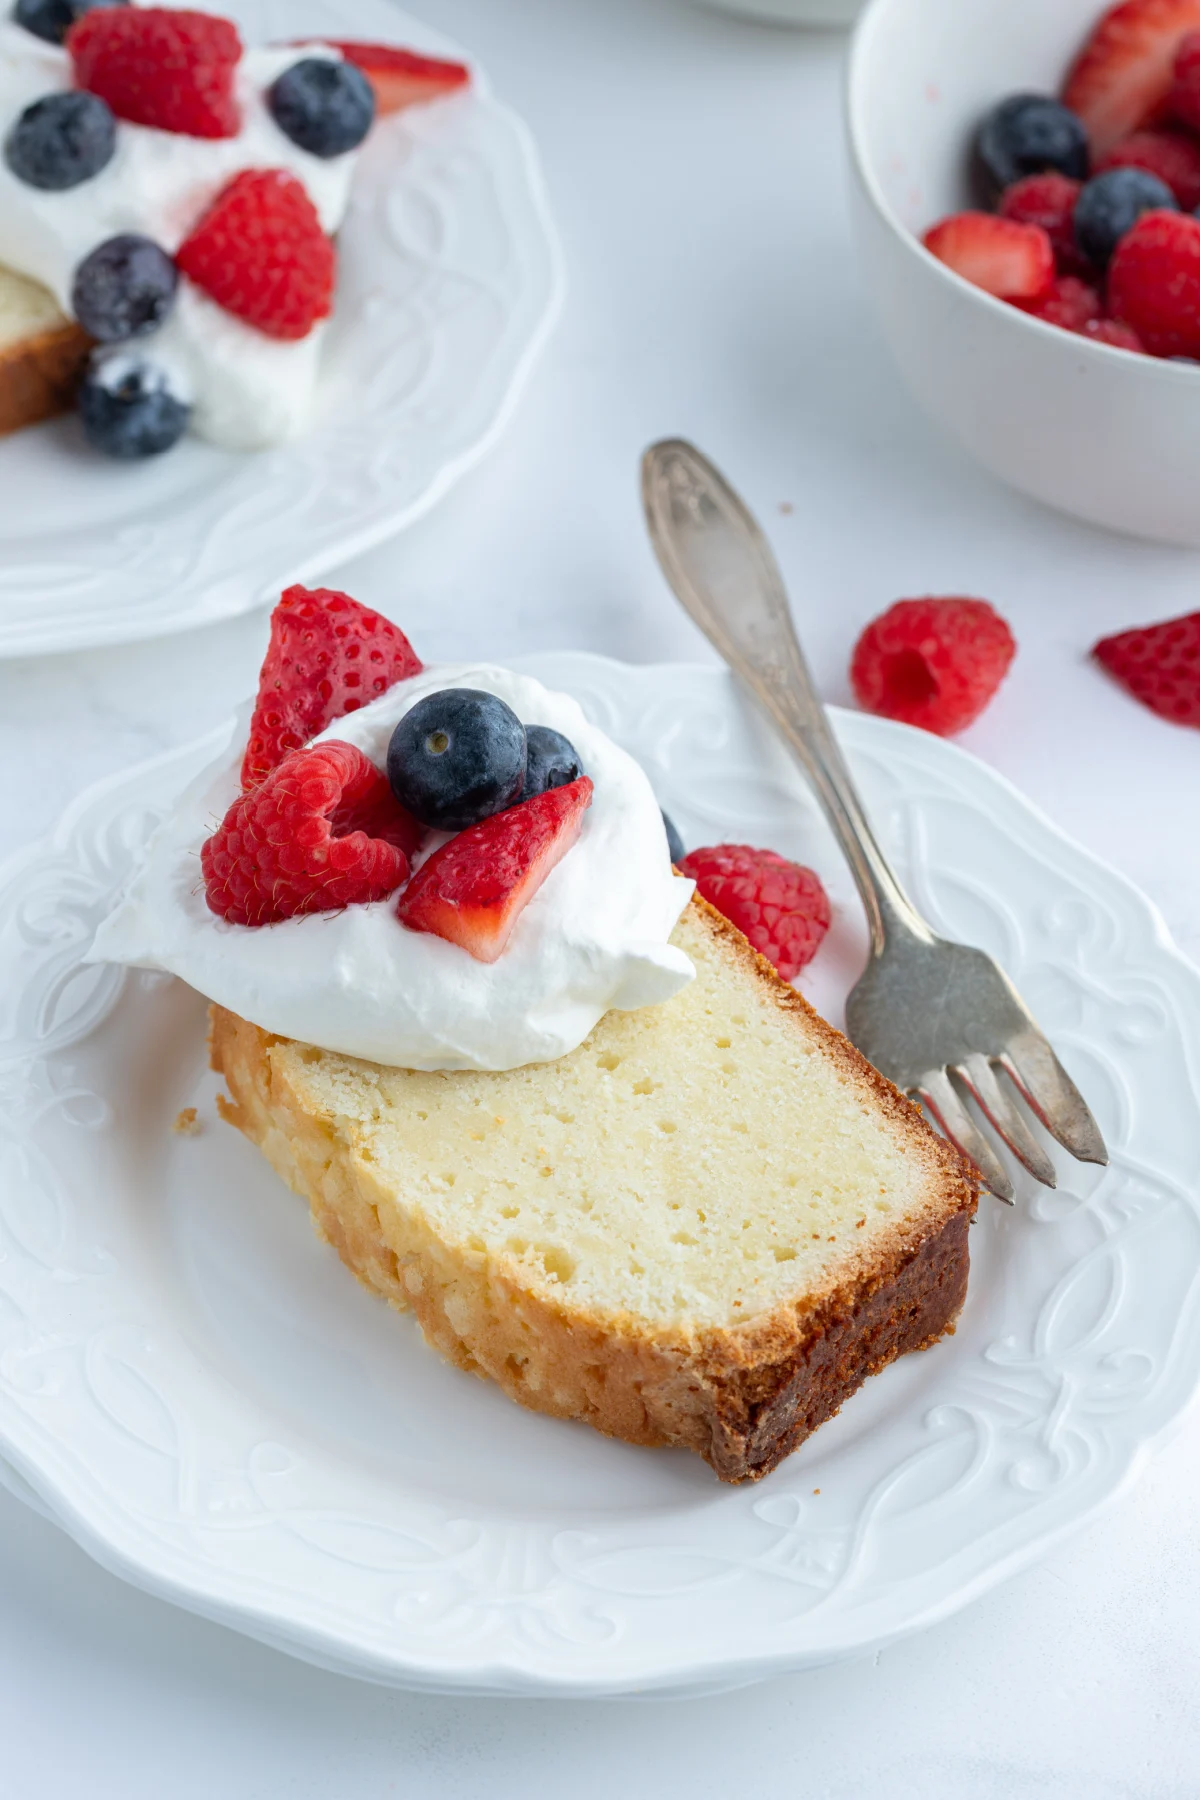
(1010, 260)
(1122, 77)
(327, 657)
(474, 889)
(1185, 89)
(401, 78)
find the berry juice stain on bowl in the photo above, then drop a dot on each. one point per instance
(1029, 240)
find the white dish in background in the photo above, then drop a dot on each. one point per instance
(1097, 432)
(449, 282)
(201, 1395)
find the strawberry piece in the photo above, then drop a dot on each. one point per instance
(1122, 77)
(474, 889)
(1049, 201)
(780, 906)
(1068, 302)
(327, 657)
(1170, 155)
(1185, 87)
(1159, 665)
(322, 832)
(402, 78)
(932, 663)
(1012, 261)
(154, 66)
(1154, 283)
(1115, 335)
(260, 252)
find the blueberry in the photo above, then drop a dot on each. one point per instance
(325, 107)
(553, 761)
(52, 19)
(128, 409)
(124, 289)
(61, 141)
(1110, 204)
(1028, 133)
(457, 757)
(674, 841)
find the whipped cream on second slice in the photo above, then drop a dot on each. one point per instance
(247, 390)
(594, 937)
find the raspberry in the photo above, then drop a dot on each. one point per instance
(1159, 665)
(260, 252)
(1185, 90)
(1069, 303)
(155, 66)
(322, 832)
(327, 657)
(1154, 283)
(1115, 335)
(1170, 155)
(1049, 201)
(780, 906)
(933, 663)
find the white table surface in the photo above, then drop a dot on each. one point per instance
(695, 164)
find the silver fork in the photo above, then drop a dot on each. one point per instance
(940, 1019)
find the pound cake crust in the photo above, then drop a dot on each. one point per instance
(631, 1293)
(42, 354)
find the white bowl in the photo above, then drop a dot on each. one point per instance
(1108, 436)
(793, 12)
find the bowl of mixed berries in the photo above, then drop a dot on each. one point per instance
(1027, 205)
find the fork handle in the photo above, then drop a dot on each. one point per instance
(718, 563)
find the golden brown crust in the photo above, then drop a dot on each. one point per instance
(741, 1397)
(39, 375)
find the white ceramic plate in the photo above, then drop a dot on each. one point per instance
(197, 1390)
(449, 282)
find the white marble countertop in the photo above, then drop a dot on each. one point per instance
(695, 165)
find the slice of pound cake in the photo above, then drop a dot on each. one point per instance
(42, 354)
(703, 1227)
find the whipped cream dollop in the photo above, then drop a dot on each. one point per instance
(248, 390)
(595, 936)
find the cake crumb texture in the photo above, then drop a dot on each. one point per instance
(704, 1227)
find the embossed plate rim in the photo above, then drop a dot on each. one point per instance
(648, 1660)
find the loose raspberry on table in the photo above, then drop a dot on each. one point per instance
(328, 655)
(1154, 283)
(260, 252)
(154, 66)
(322, 832)
(1159, 665)
(1049, 201)
(779, 905)
(933, 662)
